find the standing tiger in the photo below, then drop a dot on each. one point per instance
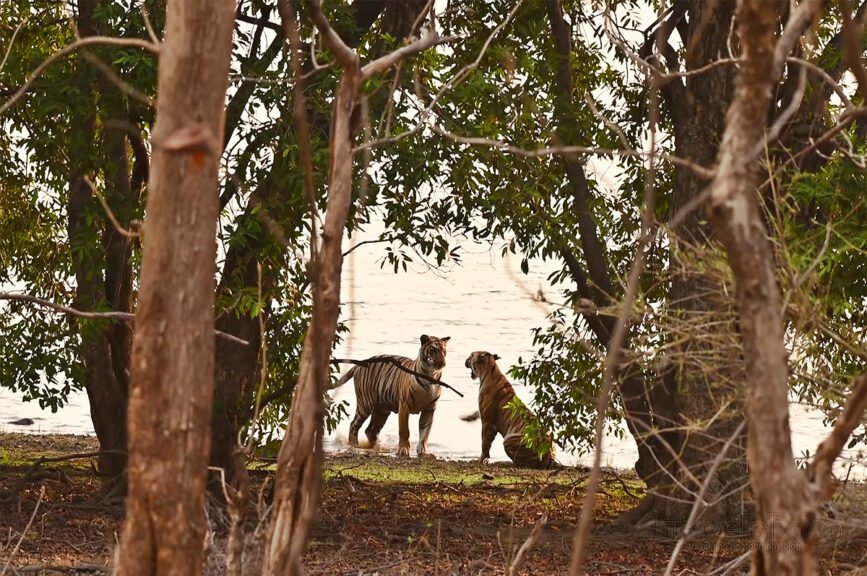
(495, 393)
(382, 388)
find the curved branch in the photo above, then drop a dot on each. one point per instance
(110, 315)
(65, 51)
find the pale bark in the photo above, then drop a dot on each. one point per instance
(299, 464)
(785, 503)
(173, 350)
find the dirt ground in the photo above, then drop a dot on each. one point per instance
(379, 515)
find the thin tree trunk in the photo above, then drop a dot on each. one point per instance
(299, 464)
(785, 504)
(173, 348)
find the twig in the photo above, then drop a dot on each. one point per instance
(18, 28)
(528, 544)
(24, 532)
(363, 242)
(701, 171)
(396, 363)
(147, 22)
(108, 212)
(79, 569)
(89, 41)
(819, 472)
(112, 315)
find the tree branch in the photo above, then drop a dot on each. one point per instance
(110, 315)
(66, 50)
(819, 472)
(345, 55)
(382, 64)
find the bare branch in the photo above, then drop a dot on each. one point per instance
(65, 51)
(18, 28)
(147, 22)
(824, 76)
(111, 315)
(819, 471)
(382, 64)
(119, 82)
(521, 556)
(112, 218)
(800, 20)
(701, 171)
(420, 18)
(699, 500)
(345, 55)
(24, 532)
(289, 21)
(614, 358)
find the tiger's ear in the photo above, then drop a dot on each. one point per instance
(446, 339)
(496, 357)
(425, 338)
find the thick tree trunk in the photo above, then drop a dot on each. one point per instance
(665, 413)
(173, 348)
(104, 359)
(705, 364)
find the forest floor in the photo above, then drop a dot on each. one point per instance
(379, 515)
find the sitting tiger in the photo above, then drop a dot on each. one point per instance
(495, 393)
(382, 388)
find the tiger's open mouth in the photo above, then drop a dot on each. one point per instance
(469, 364)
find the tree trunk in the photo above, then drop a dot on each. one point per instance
(173, 348)
(105, 362)
(663, 412)
(705, 365)
(786, 503)
(236, 367)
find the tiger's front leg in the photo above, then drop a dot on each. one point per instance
(403, 425)
(488, 435)
(425, 422)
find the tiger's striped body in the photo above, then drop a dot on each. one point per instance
(382, 388)
(495, 393)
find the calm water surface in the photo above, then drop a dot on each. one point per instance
(486, 303)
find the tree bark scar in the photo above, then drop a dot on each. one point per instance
(195, 139)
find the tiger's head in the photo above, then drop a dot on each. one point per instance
(480, 363)
(433, 351)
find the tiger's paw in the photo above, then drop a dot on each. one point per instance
(483, 460)
(403, 452)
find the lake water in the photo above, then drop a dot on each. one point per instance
(486, 303)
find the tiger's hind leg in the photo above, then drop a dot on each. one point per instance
(377, 421)
(522, 456)
(361, 415)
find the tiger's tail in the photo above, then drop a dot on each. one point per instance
(343, 379)
(471, 417)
